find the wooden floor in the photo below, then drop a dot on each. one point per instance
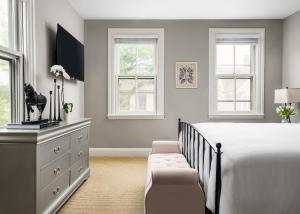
(116, 186)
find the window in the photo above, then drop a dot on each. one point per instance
(135, 73)
(13, 33)
(236, 73)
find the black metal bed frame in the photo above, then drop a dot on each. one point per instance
(189, 149)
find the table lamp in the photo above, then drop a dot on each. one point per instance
(286, 97)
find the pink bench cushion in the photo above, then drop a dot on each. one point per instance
(171, 182)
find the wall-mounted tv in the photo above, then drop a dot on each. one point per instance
(69, 53)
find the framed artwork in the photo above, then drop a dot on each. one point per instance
(186, 75)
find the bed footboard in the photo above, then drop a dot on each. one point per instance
(190, 147)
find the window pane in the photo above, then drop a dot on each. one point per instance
(242, 69)
(145, 85)
(146, 59)
(242, 54)
(225, 54)
(225, 106)
(146, 102)
(4, 92)
(243, 89)
(225, 69)
(4, 27)
(127, 85)
(127, 102)
(243, 106)
(225, 89)
(136, 59)
(127, 58)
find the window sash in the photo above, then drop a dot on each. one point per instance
(137, 91)
(253, 59)
(117, 69)
(9, 63)
(16, 83)
(235, 99)
(13, 25)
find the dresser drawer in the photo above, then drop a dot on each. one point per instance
(78, 153)
(78, 168)
(54, 170)
(79, 137)
(54, 190)
(53, 149)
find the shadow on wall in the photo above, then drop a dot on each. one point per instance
(51, 44)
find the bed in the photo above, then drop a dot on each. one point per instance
(245, 168)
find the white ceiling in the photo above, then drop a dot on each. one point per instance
(185, 9)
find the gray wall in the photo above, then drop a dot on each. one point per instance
(291, 54)
(184, 41)
(48, 14)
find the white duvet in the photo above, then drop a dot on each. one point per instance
(260, 167)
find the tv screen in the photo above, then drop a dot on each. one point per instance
(69, 53)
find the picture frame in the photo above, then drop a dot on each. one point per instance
(186, 75)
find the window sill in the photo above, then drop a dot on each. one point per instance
(237, 116)
(135, 117)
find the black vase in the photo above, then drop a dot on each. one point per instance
(54, 116)
(58, 101)
(50, 110)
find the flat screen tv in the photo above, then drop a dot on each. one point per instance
(69, 53)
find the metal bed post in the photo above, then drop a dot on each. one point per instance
(179, 127)
(218, 178)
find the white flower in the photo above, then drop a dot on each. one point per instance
(59, 70)
(56, 69)
(277, 109)
(66, 75)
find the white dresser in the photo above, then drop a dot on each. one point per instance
(41, 169)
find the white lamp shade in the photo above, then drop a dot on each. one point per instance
(287, 95)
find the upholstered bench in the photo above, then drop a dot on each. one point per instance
(172, 187)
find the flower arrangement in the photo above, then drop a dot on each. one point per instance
(58, 70)
(285, 112)
(68, 107)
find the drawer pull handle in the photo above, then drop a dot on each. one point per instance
(79, 170)
(80, 153)
(56, 149)
(79, 138)
(56, 191)
(56, 171)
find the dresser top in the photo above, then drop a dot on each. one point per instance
(34, 136)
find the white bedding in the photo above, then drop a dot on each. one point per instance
(260, 167)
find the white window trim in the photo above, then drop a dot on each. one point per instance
(258, 79)
(136, 33)
(28, 46)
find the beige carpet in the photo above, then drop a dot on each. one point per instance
(116, 186)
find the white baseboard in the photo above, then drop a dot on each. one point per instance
(119, 152)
